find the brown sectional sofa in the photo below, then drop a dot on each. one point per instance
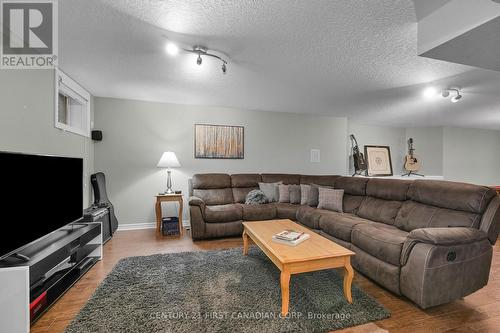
(430, 241)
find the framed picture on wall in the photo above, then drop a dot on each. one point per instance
(219, 141)
(379, 160)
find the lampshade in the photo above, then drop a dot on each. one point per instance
(168, 160)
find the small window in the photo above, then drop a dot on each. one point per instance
(72, 106)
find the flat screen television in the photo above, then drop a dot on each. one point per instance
(40, 194)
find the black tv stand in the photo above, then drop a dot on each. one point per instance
(46, 269)
(15, 257)
(21, 257)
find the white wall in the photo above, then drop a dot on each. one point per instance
(136, 133)
(27, 120)
(394, 137)
(428, 144)
(471, 155)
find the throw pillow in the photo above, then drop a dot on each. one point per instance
(304, 193)
(284, 193)
(313, 197)
(330, 199)
(294, 191)
(255, 197)
(271, 190)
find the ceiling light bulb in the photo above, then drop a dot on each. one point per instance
(445, 93)
(430, 92)
(456, 98)
(199, 60)
(172, 49)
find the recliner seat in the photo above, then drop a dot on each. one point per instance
(430, 241)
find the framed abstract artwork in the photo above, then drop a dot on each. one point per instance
(219, 141)
(379, 161)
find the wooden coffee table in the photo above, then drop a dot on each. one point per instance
(314, 254)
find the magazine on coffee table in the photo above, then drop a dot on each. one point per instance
(290, 237)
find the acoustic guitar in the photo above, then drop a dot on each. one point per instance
(358, 157)
(412, 164)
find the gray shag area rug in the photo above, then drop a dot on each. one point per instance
(219, 291)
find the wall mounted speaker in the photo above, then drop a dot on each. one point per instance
(97, 135)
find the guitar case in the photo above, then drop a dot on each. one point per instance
(101, 199)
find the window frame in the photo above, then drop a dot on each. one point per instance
(70, 88)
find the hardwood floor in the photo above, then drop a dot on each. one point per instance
(479, 312)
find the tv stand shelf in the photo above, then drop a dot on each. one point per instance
(55, 263)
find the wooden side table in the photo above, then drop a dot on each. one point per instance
(167, 198)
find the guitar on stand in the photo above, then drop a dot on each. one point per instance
(358, 158)
(412, 165)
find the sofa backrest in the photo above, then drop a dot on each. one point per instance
(408, 205)
(433, 203)
(213, 188)
(384, 198)
(220, 189)
(354, 192)
(287, 179)
(241, 184)
(318, 180)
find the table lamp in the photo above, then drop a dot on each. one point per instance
(168, 160)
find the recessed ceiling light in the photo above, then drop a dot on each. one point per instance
(430, 92)
(172, 49)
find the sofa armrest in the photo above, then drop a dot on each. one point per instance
(447, 236)
(195, 201)
(440, 236)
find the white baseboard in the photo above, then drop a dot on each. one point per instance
(147, 225)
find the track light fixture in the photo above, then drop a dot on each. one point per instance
(432, 91)
(456, 92)
(456, 98)
(202, 51)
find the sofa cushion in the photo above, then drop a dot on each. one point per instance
(379, 210)
(318, 180)
(309, 216)
(259, 212)
(287, 211)
(240, 193)
(340, 225)
(313, 195)
(223, 213)
(330, 199)
(220, 196)
(295, 195)
(457, 196)
(271, 191)
(388, 189)
(284, 193)
(414, 215)
(352, 202)
(352, 185)
(245, 180)
(382, 241)
(287, 179)
(211, 181)
(378, 270)
(304, 194)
